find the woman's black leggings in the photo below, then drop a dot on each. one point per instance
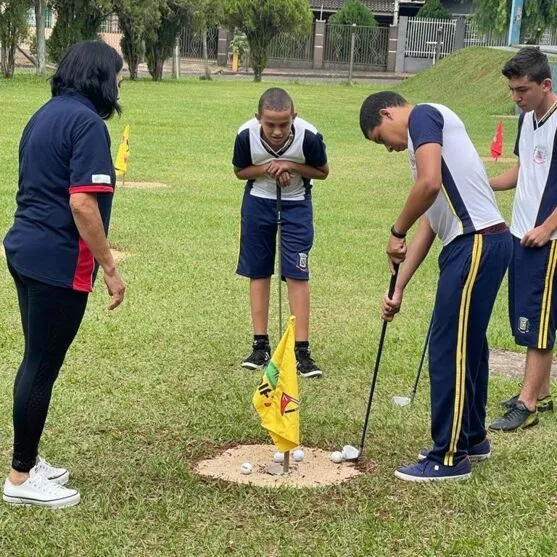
(50, 317)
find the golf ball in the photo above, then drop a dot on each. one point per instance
(298, 455)
(278, 458)
(246, 468)
(337, 457)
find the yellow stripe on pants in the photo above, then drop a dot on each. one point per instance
(462, 339)
(547, 294)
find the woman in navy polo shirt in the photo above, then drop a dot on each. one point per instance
(57, 242)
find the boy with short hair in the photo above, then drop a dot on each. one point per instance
(278, 149)
(452, 199)
(532, 291)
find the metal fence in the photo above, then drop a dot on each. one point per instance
(31, 20)
(370, 45)
(110, 25)
(474, 37)
(285, 47)
(549, 38)
(422, 34)
(191, 44)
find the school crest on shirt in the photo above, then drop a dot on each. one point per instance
(523, 324)
(540, 154)
(302, 263)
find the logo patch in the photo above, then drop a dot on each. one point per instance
(523, 324)
(100, 179)
(412, 160)
(302, 262)
(540, 154)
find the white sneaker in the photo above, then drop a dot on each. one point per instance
(38, 490)
(59, 476)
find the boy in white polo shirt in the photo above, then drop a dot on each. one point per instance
(532, 291)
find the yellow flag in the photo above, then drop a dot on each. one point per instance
(277, 399)
(121, 164)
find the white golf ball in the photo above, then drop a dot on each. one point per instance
(246, 468)
(278, 458)
(337, 457)
(298, 455)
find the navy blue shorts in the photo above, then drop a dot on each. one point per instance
(532, 295)
(258, 237)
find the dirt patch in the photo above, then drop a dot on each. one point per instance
(143, 185)
(500, 160)
(118, 255)
(511, 364)
(316, 470)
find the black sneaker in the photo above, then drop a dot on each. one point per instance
(306, 364)
(542, 404)
(259, 358)
(516, 417)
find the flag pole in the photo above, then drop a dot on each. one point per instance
(286, 463)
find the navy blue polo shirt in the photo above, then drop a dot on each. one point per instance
(64, 149)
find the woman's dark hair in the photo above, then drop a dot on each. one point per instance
(529, 62)
(90, 68)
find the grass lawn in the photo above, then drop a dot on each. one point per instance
(148, 389)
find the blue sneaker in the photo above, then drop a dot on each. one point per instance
(476, 453)
(427, 470)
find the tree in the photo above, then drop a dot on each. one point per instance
(134, 17)
(537, 16)
(262, 20)
(160, 38)
(433, 9)
(40, 17)
(76, 20)
(207, 14)
(13, 29)
(353, 11)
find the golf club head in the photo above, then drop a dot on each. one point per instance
(350, 452)
(401, 400)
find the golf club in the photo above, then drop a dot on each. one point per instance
(350, 452)
(279, 252)
(404, 400)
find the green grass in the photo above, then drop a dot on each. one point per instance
(148, 389)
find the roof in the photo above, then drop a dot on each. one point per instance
(376, 6)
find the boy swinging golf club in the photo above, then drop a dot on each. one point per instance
(450, 198)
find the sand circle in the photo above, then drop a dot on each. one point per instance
(316, 470)
(143, 185)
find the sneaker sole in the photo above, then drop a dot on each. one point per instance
(522, 426)
(317, 373)
(418, 479)
(472, 458)
(61, 480)
(58, 504)
(252, 366)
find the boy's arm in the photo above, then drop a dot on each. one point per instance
(251, 172)
(505, 181)
(305, 170)
(417, 251)
(539, 236)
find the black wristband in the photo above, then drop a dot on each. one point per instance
(397, 234)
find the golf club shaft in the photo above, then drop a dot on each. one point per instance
(392, 285)
(420, 367)
(279, 252)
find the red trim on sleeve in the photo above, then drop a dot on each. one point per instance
(83, 276)
(92, 188)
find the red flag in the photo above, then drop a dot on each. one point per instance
(497, 143)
